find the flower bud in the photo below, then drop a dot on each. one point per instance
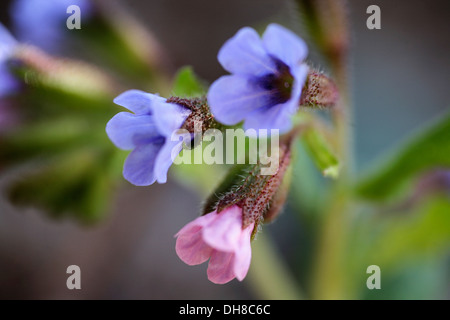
(319, 91)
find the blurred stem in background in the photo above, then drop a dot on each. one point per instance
(326, 21)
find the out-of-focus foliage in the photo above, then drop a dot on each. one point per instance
(61, 131)
(398, 242)
(321, 152)
(428, 150)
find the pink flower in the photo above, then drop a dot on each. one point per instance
(220, 238)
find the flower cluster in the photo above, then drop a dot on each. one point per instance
(263, 91)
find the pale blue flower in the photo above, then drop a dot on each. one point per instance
(267, 76)
(148, 132)
(43, 22)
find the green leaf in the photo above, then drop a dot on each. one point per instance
(398, 241)
(429, 149)
(78, 184)
(321, 152)
(187, 84)
(427, 231)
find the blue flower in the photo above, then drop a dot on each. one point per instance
(7, 45)
(43, 23)
(267, 77)
(147, 131)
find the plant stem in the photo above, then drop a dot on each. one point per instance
(270, 279)
(329, 281)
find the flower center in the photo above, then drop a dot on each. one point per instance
(280, 83)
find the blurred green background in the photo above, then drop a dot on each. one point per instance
(399, 76)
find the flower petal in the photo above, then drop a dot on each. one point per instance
(284, 45)
(127, 130)
(201, 221)
(274, 117)
(165, 158)
(244, 54)
(169, 117)
(7, 43)
(220, 267)
(300, 73)
(232, 98)
(8, 84)
(278, 116)
(138, 101)
(243, 254)
(139, 166)
(223, 234)
(191, 248)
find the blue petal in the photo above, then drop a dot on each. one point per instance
(274, 117)
(168, 117)
(232, 98)
(127, 130)
(270, 118)
(139, 166)
(8, 84)
(138, 101)
(300, 73)
(284, 45)
(165, 158)
(7, 43)
(244, 54)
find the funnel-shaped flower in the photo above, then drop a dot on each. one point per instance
(147, 131)
(268, 74)
(220, 238)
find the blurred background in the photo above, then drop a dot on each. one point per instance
(399, 76)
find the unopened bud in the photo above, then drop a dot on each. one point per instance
(319, 91)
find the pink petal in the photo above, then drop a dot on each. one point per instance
(243, 254)
(191, 248)
(223, 233)
(220, 267)
(201, 221)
